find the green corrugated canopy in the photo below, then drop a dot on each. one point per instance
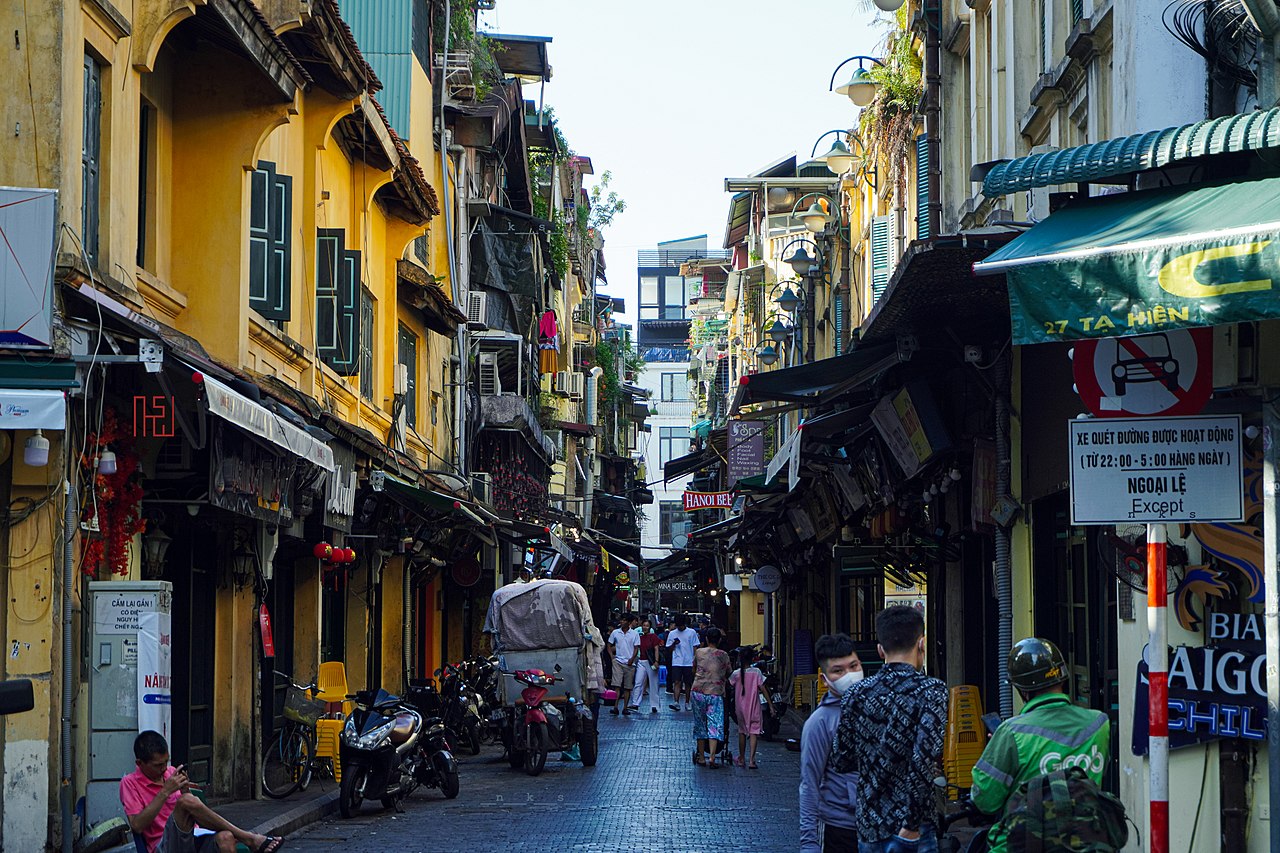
(1137, 263)
(1125, 155)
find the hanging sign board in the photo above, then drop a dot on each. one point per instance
(1167, 373)
(694, 501)
(1139, 470)
(745, 450)
(767, 579)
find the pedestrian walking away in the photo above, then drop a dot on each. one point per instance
(748, 687)
(710, 676)
(891, 731)
(828, 798)
(647, 669)
(682, 641)
(1051, 733)
(624, 642)
(162, 809)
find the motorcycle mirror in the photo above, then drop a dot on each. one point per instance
(437, 673)
(557, 667)
(940, 781)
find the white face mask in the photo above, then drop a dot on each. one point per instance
(842, 684)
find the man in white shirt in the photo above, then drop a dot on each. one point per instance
(682, 640)
(624, 642)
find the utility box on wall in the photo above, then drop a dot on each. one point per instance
(130, 657)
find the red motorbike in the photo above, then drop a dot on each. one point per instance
(534, 727)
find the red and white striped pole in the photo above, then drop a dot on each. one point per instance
(1158, 688)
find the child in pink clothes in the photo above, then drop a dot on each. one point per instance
(748, 686)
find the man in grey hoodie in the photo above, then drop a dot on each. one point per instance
(827, 798)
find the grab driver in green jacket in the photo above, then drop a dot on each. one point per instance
(1050, 733)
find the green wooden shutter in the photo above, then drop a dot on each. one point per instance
(337, 302)
(922, 187)
(1077, 11)
(270, 256)
(838, 306)
(91, 158)
(881, 244)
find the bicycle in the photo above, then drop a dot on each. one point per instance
(289, 760)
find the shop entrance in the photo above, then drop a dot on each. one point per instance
(1075, 595)
(194, 593)
(279, 601)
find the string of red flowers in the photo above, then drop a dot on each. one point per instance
(119, 499)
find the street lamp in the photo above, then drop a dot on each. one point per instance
(839, 160)
(888, 5)
(779, 331)
(815, 219)
(788, 300)
(801, 262)
(861, 87)
(769, 356)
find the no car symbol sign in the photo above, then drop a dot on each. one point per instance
(1166, 373)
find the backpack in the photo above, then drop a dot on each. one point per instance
(1064, 811)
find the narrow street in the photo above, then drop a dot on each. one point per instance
(644, 794)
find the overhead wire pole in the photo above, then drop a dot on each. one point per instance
(1157, 689)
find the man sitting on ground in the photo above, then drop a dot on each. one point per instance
(158, 801)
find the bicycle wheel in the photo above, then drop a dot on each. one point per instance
(286, 763)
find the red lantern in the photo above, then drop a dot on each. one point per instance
(323, 551)
(348, 555)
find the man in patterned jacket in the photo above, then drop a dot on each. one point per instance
(891, 731)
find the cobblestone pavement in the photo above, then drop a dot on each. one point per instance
(644, 794)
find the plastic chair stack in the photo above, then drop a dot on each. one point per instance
(964, 742)
(332, 680)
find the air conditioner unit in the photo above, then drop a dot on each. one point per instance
(577, 386)
(477, 303)
(564, 382)
(402, 379)
(490, 381)
(482, 486)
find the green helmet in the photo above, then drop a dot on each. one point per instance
(1035, 663)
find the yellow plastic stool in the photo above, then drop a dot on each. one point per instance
(328, 734)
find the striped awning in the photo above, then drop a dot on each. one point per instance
(1256, 131)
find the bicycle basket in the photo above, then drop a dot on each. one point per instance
(300, 707)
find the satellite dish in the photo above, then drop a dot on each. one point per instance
(680, 540)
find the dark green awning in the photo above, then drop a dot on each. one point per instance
(1138, 263)
(1255, 131)
(416, 496)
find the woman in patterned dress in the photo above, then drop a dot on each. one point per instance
(710, 673)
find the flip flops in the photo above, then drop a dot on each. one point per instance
(271, 845)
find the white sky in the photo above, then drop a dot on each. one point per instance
(673, 96)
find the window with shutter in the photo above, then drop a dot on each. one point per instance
(838, 308)
(881, 250)
(409, 358)
(1077, 11)
(337, 302)
(366, 345)
(91, 157)
(922, 187)
(270, 256)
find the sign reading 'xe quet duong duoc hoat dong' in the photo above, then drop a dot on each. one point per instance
(1151, 470)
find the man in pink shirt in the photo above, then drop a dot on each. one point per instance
(161, 808)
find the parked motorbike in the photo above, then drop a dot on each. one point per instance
(460, 708)
(485, 679)
(388, 749)
(533, 727)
